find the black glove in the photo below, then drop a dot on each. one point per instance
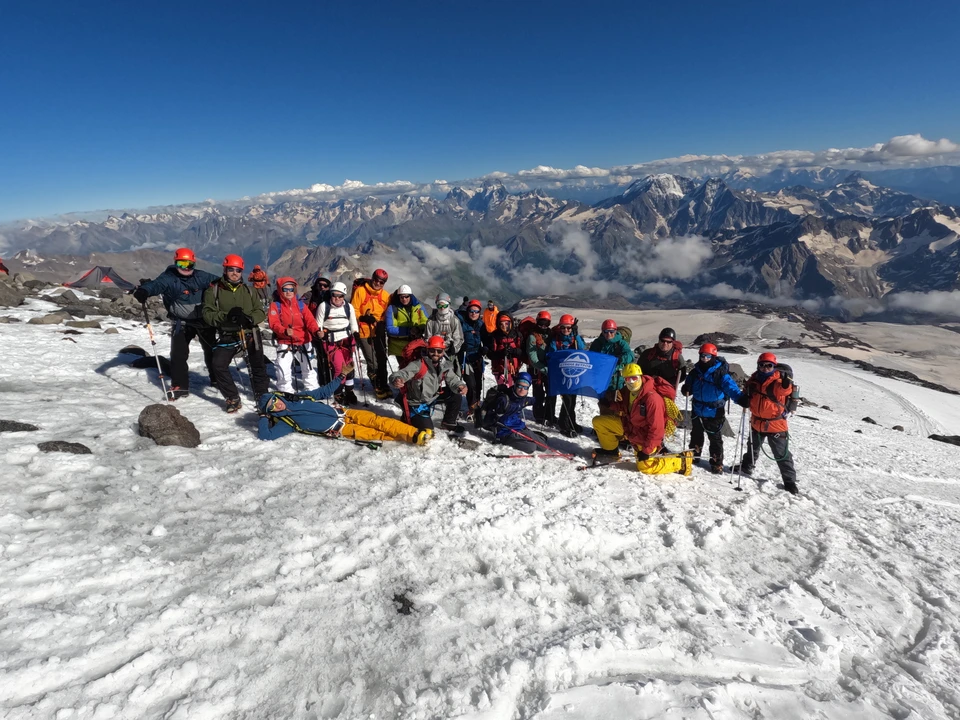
(140, 295)
(744, 401)
(368, 319)
(785, 381)
(239, 318)
(685, 391)
(641, 455)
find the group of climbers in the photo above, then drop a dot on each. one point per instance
(442, 357)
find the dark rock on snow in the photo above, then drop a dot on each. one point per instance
(715, 337)
(951, 439)
(10, 296)
(64, 446)
(870, 421)
(133, 350)
(166, 426)
(14, 426)
(83, 324)
(733, 349)
(897, 427)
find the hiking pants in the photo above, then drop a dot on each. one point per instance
(525, 446)
(339, 354)
(544, 408)
(451, 412)
(224, 353)
(567, 421)
(324, 375)
(303, 354)
(609, 430)
(474, 381)
(374, 350)
(712, 427)
(180, 340)
(365, 425)
(779, 448)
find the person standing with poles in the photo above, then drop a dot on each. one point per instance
(471, 354)
(710, 384)
(370, 302)
(566, 338)
(230, 306)
(293, 327)
(338, 328)
(769, 395)
(181, 287)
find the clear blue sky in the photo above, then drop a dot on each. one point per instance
(128, 104)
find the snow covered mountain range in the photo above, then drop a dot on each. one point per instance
(835, 238)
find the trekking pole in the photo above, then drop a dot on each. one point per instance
(743, 419)
(686, 419)
(535, 441)
(359, 374)
(246, 359)
(153, 342)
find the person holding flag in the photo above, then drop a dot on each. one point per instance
(640, 418)
(566, 339)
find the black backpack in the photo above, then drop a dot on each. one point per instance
(488, 410)
(793, 401)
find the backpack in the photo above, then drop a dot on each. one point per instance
(528, 326)
(412, 352)
(626, 333)
(357, 283)
(672, 414)
(793, 401)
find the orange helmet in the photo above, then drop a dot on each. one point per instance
(544, 315)
(233, 261)
(609, 325)
(184, 254)
(708, 349)
(566, 320)
(767, 357)
(436, 343)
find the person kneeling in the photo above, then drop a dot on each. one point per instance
(282, 414)
(428, 382)
(503, 415)
(640, 416)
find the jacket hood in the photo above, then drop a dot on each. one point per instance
(286, 280)
(265, 400)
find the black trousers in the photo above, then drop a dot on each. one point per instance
(525, 446)
(451, 412)
(779, 448)
(567, 420)
(474, 381)
(374, 350)
(544, 408)
(711, 427)
(223, 355)
(323, 363)
(183, 335)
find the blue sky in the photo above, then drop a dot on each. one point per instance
(129, 104)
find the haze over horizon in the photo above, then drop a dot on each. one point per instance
(150, 107)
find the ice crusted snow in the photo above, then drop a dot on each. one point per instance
(308, 578)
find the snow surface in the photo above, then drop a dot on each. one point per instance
(248, 579)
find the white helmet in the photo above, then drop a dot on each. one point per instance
(339, 287)
(404, 290)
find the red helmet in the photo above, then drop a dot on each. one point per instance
(767, 357)
(475, 303)
(544, 315)
(233, 261)
(708, 349)
(566, 320)
(436, 343)
(609, 325)
(184, 254)
(380, 274)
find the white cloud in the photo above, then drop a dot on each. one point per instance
(915, 145)
(660, 289)
(669, 258)
(940, 302)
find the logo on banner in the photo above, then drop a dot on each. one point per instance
(573, 367)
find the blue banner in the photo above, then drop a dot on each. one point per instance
(579, 372)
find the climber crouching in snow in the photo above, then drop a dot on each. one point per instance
(640, 416)
(769, 395)
(502, 414)
(421, 387)
(282, 414)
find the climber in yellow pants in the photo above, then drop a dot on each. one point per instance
(365, 425)
(640, 417)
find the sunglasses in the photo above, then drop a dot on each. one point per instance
(288, 288)
(474, 311)
(323, 285)
(566, 328)
(706, 356)
(435, 353)
(765, 365)
(185, 264)
(233, 270)
(609, 332)
(667, 341)
(403, 297)
(337, 295)
(375, 282)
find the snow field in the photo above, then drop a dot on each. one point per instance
(308, 578)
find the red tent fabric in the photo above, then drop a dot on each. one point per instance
(98, 275)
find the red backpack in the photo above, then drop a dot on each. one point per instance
(527, 327)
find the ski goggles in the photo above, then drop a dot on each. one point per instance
(289, 288)
(766, 365)
(632, 379)
(185, 264)
(443, 305)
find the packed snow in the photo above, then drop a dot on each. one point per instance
(310, 578)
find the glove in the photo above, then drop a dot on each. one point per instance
(356, 337)
(685, 391)
(368, 319)
(346, 369)
(140, 295)
(641, 455)
(239, 318)
(744, 401)
(785, 382)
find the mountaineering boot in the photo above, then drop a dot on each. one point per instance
(175, 393)
(791, 487)
(686, 462)
(696, 450)
(349, 396)
(384, 394)
(748, 471)
(716, 464)
(605, 457)
(233, 405)
(453, 427)
(423, 437)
